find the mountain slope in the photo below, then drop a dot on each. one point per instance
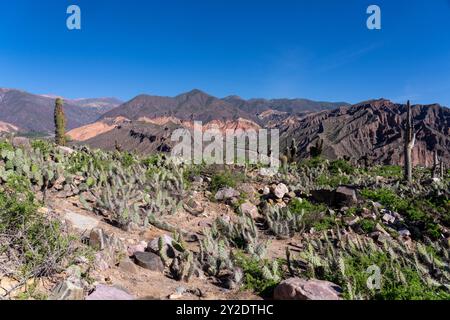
(283, 105)
(372, 129)
(193, 105)
(30, 112)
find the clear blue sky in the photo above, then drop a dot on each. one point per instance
(253, 48)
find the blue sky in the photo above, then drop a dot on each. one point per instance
(320, 49)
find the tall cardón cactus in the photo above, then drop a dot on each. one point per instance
(435, 164)
(410, 140)
(293, 150)
(60, 123)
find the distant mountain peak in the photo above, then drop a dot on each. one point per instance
(193, 93)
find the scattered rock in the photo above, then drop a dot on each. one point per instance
(351, 221)
(226, 194)
(368, 214)
(345, 196)
(387, 218)
(382, 238)
(103, 292)
(81, 222)
(193, 207)
(149, 260)
(128, 266)
(179, 292)
(266, 191)
(140, 247)
(280, 190)
(404, 233)
(300, 289)
(249, 209)
(66, 290)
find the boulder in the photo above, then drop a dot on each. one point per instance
(345, 196)
(249, 209)
(140, 247)
(128, 266)
(280, 190)
(323, 196)
(387, 218)
(226, 194)
(67, 290)
(193, 207)
(301, 289)
(80, 222)
(103, 292)
(341, 197)
(149, 260)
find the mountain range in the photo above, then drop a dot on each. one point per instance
(26, 112)
(370, 131)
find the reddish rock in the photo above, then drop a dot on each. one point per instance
(301, 289)
(103, 292)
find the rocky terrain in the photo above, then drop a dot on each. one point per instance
(81, 224)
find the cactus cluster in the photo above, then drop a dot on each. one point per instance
(242, 234)
(42, 172)
(282, 222)
(343, 253)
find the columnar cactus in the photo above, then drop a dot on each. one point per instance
(409, 142)
(60, 123)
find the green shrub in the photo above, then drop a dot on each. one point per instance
(223, 180)
(367, 225)
(5, 145)
(36, 244)
(339, 166)
(313, 162)
(127, 159)
(332, 181)
(387, 198)
(255, 278)
(313, 214)
(44, 146)
(387, 171)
